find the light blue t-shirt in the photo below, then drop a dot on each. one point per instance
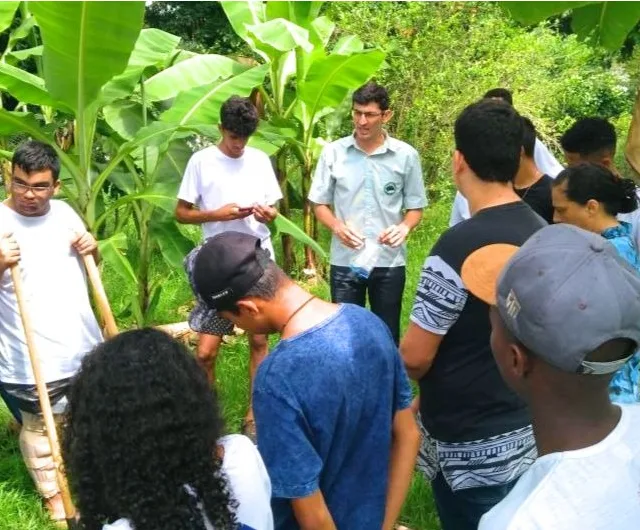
(624, 385)
(324, 403)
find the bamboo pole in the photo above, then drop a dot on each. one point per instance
(45, 403)
(100, 296)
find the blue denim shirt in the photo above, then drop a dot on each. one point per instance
(624, 385)
(324, 403)
(369, 191)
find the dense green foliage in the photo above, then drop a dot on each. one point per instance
(443, 56)
(203, 26)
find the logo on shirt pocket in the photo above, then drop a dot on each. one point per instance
(390, 188)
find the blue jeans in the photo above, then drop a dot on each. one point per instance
(11, 403)
(385, 286)
(462, 509)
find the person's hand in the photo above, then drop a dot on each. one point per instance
(231, 212)
(84, 243)
(395, 235)
(9, 251)
(264, 214)
(348, 236)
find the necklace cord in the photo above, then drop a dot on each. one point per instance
(300, 308)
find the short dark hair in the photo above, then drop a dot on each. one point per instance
(489, 136)
(528, 137)
(501, 93)
(267, 286)
(239, 116)
(32, 156)
(588, 181)
(589, 136)
(371, 92)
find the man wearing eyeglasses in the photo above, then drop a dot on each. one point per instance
(45, 239)
(368, 190)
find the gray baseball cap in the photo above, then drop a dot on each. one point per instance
(563, 294)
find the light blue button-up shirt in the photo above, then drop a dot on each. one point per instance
(369, 192)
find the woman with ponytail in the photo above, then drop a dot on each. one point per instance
(590, 196)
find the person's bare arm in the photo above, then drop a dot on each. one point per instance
(412, 218)
(347, 235)
(312, 512)
(404, 450)
(418, 349)
(187, 214)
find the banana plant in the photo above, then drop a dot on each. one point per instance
(133, 98)
(292, 41)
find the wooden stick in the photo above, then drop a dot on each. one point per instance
(100, 296)
(45, 403)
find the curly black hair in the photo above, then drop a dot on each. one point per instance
(239, 116)
(142, 425)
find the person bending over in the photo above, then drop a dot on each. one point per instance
(331, 400)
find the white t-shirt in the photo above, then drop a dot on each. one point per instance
(596, 488)
(545, 162)
(212, 179)
(56, 296)
(249, 485)
(633, 219)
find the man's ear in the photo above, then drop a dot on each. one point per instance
(56, 187)
(248, 307)
(521, 362)
(387, 115)
(459, 163)
(607, 160)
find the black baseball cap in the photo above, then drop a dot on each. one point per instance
(225, 268)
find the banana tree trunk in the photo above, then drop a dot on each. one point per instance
(308, 219)
(289, 258)
(6, 176)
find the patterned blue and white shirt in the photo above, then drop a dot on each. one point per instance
(624, 385)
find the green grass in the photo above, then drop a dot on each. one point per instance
(20, 507)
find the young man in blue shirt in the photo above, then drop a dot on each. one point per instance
(331, 401)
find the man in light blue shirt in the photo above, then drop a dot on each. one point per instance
(368, 191)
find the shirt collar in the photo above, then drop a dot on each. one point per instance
(387, 145)
(622, 230)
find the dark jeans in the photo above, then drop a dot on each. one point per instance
(11, 403)
(462, 509)
(385, 286)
